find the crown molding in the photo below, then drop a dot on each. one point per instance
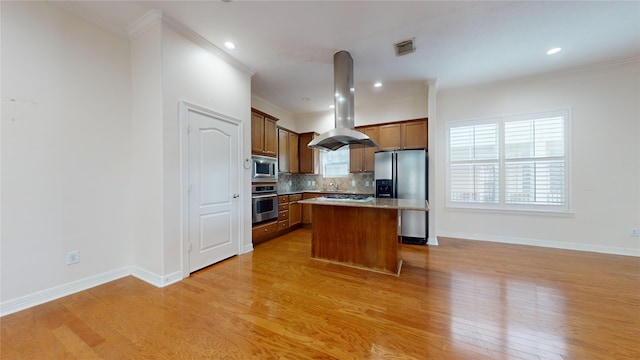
(154, 17)
(189, 34)
(151, 18)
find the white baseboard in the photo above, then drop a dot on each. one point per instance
(41, 297)
(155, 279)
(433, 241)
(543, 243)
(247, 249)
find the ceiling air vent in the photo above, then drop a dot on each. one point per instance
(404, 47)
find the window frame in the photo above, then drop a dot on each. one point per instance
(502, 205)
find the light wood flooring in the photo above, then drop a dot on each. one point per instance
(460, 300)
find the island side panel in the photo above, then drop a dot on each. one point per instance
(358, 236)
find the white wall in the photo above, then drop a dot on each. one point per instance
(285, 119)
(171, 64)
(66, 145)
(605, 184)
(146, 120)
(194, 74)
(407, 108)
(91, 150)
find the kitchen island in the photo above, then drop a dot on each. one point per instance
(359, 233)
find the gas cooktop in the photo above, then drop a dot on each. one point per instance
(348, 197)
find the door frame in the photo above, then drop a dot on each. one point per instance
(184, 108)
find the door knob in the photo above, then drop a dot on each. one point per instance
(235, 196)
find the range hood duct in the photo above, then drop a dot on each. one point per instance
(344, 133)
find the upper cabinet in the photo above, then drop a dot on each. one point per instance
(287, 151)
(415, 135)
(404, 135)
(390, 137)
(263, 134)
(361, 159)
(309, 158)
(294, 161)
(283, 151)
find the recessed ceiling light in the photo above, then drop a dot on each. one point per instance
(331, 106)
(553, 51)
(377, 84)
(229, 45)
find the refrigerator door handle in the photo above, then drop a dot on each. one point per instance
(394, 161)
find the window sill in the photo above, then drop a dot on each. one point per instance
(500, 211)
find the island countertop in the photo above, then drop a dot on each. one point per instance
(379, 203)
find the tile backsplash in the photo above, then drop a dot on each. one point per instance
(360, 183)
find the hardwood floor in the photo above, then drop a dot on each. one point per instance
(460, 300)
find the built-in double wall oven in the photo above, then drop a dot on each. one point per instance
(264, 203)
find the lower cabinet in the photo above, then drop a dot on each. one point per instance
(289, 216)
(264, 232)
(283, 212)
(295, 210)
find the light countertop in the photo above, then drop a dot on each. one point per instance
(399, 204)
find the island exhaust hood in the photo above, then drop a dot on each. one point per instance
(344, 133)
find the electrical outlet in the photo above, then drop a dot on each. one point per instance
(634, 232)
(73, 257)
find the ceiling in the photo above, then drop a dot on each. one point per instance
(289, 45)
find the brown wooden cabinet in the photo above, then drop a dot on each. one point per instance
(263, 134)
(361, 159)
(415, 135)
(356, 158)
(289, 211)
(283, 212)
(295, 210)
(289, 218)
(309, 159)
(264, 232)
(390, 137)
(283, 150)
(287, 151)
(404, 135)
(294, 161)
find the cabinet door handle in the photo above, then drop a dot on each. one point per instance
(235, 196)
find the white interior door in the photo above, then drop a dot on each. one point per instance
(213, 187)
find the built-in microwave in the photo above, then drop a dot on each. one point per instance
(264, 169)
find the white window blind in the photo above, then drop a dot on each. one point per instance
(335, 163)
(474, 163)
(510, 162)
(534, 161)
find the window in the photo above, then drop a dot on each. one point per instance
(511, 162)
(335, 163)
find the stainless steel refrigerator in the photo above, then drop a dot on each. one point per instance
(402, 174)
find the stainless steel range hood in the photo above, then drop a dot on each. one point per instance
(344, 133)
